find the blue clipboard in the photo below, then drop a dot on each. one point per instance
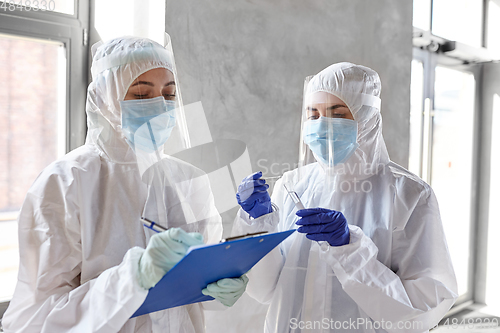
(206, 264)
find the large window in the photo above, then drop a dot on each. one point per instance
(441, 151)
(456, 20)
(446, 128)
(43, 72)
(451, 162)
(493, 270)
(33, 131)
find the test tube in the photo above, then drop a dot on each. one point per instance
(293, 195)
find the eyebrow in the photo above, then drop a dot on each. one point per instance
(336, 106)
(151, 84)
(333, 107)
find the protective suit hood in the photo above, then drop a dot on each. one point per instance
(359, 88)
(115, 65)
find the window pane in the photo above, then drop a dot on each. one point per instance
(32, 131)
(458, 20)
(422, 14)
(9, 257)
(494, 27)
(59, 6)
(451, 170)
(493, 271)
(417, 96)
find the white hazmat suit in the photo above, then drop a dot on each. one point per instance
(395, 275)
(80, 235)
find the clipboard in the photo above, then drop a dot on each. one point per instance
(205, 264)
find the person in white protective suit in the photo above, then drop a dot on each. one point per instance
(86, 260)
(369, 254)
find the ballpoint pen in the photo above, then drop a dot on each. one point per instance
(152, 225)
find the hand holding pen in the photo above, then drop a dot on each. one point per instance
(152, 225)
(164, 250)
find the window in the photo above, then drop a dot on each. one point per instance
(493, 42)
(42, 107)
(422, 14)
(442, 123)
(451, 162)
(33, 134)
(493, 274)
(447, 125)
(417, 100)
(458, 20)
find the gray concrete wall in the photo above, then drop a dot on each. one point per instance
(246, 62)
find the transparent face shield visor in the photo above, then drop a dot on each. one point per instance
(154, 125)
(328, 133)
(153, 118)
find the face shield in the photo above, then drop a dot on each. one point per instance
(341, 129)
(136, 117)
(328, 129)
(117, 65)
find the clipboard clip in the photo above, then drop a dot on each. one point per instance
(242, 236)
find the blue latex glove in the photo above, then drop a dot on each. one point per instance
(227, 291)
(322, 224)
(253, 197)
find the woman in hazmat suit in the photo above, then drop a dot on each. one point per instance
(83, 266)
(374, 257)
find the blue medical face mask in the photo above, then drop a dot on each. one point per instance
(147, 123)
(339, 132)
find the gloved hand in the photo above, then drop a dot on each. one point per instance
(253, 197)
(227, 291)
(164, 250)
(322, 224)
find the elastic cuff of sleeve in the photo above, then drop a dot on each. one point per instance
(274, 208)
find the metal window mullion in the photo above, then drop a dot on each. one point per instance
(426, 141)
(485, 31)
(479, 247)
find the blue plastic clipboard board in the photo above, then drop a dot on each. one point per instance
(206, 264)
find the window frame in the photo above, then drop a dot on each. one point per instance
(72, 30)
(430, 61)
(431, 51)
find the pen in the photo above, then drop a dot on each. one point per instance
(242, 236)
(152, 225)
